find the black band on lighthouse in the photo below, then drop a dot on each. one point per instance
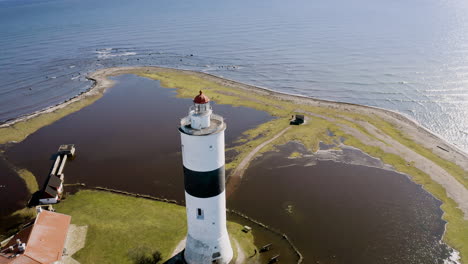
(204, 184)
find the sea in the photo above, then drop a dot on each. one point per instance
(410, 56)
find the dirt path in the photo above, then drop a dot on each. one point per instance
(179, 247)
(455, 190)
(240, 253)
(236, 177)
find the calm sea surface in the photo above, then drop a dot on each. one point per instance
(410, 56)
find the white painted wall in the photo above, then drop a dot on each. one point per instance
(49, 200)
(203, 153)
(208, 235)
(213, 224)
(201, 120)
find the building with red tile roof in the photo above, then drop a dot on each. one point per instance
(44, 243)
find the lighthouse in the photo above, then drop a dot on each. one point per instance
(202, 137)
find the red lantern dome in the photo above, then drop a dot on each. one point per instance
(201, 99)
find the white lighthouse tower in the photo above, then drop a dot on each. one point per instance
(202, 135)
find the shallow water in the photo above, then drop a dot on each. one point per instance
(264, 237)
(127, 140)
(341, 213)
(13, 192)
(409, 56)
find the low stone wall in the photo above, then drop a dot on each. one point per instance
(145, 196)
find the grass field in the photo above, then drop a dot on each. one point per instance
(119, 225)
(29, 179)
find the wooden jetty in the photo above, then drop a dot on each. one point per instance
(53, 187)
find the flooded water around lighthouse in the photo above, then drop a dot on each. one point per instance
(127, 140)
(13, 192)
(342, 213)
(334, 212)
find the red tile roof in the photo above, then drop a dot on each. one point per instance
(46, 240)
(201, 99)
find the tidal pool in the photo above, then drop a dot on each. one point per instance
(342, 213)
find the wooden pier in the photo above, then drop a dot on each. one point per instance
(53, 187)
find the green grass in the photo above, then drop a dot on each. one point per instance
(450, 167)
(188, 85)
(29, 179)
(295, 154)
(118, 223)
(245, 240)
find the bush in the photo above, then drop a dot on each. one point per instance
(142, 255)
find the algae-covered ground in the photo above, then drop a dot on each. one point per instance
(119, 226)
(331, 123)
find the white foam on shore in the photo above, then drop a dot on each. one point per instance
(454, 258)
(107, 53)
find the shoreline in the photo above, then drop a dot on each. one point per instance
(394, 113)
(423, 155)
(98, 87)
(101, 83)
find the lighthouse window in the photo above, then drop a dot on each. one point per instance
(200, 214)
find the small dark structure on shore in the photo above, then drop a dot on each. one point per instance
(53, 187)
(246, 229)
(297, 120)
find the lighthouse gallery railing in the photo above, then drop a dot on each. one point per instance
(217, 122)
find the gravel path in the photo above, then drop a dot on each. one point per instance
(76, 240)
